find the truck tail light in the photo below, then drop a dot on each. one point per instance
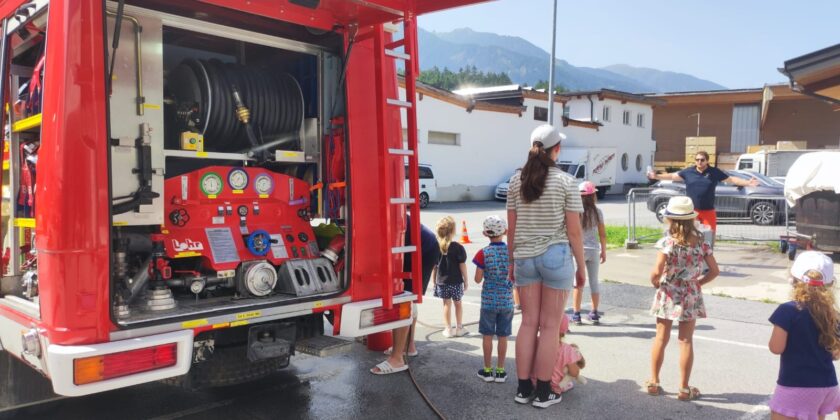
(379, 316)
(115, 365)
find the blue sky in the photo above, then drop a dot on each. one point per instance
(736, 43)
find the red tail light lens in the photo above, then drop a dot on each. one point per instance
(115, 365)
(379, 316)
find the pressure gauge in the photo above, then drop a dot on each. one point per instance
(264, 184)
(238, 179)
(211, 183)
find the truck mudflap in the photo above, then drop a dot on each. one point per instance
(369, 316)
(76, 370)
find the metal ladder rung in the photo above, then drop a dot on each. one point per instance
(396, 44)
(403, 249)
(397, 54)
(403, 152)
(408, 200)
(397, 102)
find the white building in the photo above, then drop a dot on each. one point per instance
(478, 138)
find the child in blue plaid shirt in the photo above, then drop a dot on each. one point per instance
(492, 266)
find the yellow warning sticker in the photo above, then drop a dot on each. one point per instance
(186, 254)
(222, 325)
(151, 106)
(238, 192)
(25, 222)
(201, 154)
(263, 195)
(194, 323)
(211, 196)
(164, 231)
(248, 315)
(120, 223)
(318, 304)
(238, 323)
(291, 154)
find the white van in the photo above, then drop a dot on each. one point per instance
(428, 185)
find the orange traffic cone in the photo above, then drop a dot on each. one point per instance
(465, 238)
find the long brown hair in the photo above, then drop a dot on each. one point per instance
(590, 218)
(445, 229)
(535, 172)
(683, 231)
(819, 300)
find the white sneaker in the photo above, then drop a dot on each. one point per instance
(448, 332)
(460, 332)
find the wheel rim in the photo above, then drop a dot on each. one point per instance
(424, 200)
(763, 214)
(659, 209)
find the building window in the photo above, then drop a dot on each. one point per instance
(624, 163)
(566, 110)
(640, 120)
(446, 139)
(626, 119)
(540, 113)
(605, 115)
(639, 162)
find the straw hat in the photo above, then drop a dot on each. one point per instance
(679, 208)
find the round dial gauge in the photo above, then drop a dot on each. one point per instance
(238, 179)
(264, 184)
(211, 183)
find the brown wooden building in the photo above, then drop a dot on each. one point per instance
(740, 118)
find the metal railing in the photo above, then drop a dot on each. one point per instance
(740, 216)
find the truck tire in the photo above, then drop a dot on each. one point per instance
(227, 366)
(424, 200)
(601, 192)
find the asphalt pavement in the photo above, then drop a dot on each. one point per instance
(733, 368)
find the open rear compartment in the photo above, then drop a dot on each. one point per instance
(221, 142)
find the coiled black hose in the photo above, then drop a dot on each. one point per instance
(203, 93)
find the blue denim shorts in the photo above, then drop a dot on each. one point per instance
(554, 268)
(498, 322)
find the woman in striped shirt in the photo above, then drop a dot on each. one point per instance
(544, 234)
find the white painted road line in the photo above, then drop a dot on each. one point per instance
(716, 340)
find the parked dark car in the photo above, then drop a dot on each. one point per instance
(763, 205)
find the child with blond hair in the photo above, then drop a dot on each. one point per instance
(678, 277)
(805, 334)
(450, 276)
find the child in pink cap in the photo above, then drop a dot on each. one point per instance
(805, 334)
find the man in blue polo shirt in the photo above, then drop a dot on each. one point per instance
(700, 183)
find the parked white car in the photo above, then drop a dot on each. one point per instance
(428, 185)
(502, 189)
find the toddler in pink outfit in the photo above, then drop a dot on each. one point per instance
(568, 364)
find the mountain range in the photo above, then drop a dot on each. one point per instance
(525, 63)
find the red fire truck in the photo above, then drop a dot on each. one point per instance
(193, 186)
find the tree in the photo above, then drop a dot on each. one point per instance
(542, 84)
(466, 76)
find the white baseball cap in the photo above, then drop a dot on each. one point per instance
(494, 226)
(814, 268)
(547, 135)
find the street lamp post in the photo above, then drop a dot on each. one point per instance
(698, 122)
(551, 67)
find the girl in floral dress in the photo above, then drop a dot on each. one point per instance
(678, 277)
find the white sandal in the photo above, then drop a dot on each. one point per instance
(385, 368)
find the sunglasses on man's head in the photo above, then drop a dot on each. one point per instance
(700, 159)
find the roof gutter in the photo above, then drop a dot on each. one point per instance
(800, 89)
(591, 108)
